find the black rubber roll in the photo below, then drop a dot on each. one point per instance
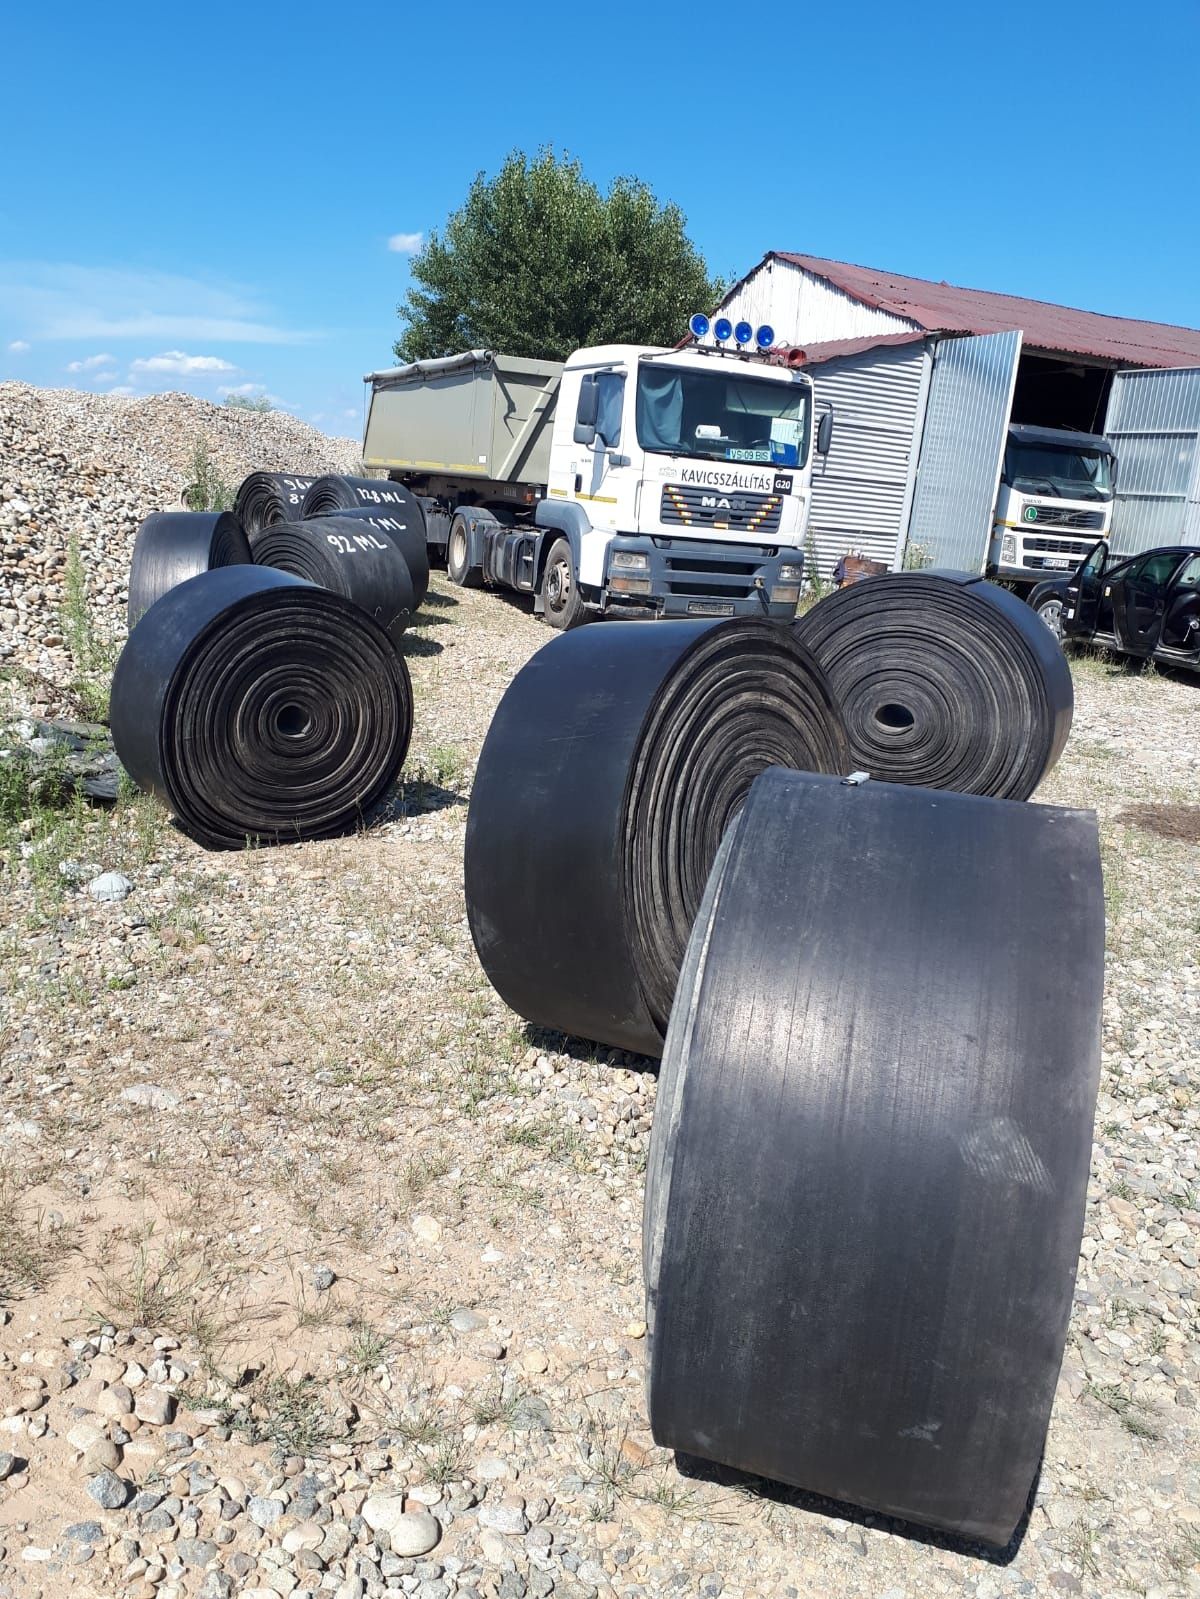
(348, 556)
(268, 497)
(172, 546)
(870, 1153)
(405, 526)
(944, 680)
(337, 492)
(260, 707)
(612, 767)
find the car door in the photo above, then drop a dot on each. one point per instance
(1084, 593)
(1139, 598)
(1181, 624)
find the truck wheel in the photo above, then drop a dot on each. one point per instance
(457, 567)
(560, 589)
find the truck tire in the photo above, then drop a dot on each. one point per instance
(561, 598)
(457, 566)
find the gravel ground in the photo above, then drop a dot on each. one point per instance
(322, 1270)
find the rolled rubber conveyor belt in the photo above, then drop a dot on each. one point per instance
(267, 497)
(404, 524)
(613, 765)
(348, 556)
(260, 707)
(338, 492)
(945, 680)
(172, 546)
(870, 1153)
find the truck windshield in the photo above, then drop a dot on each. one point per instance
(722, 416)
(1064, 473)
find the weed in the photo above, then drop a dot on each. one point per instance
(1080, 1545)
(816, 586)
(248, 402)
(917, 557)
(1127, 1410)
(288, 1412)
(368, 1348)
(208, 490)
(93, 656)
(1121, 1190)
(28, 1248)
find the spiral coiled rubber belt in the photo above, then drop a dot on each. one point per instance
(260, 707)
(613, 765)
(404, 524)
(944, 680)
(267, 497)
(870, 1152)
(350, 557)
(172, 546)
(339, 492)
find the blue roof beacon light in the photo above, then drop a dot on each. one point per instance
(699, 325)
(722, 329)
(743, 333)
(765, 337)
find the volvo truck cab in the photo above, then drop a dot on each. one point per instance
(1055, 501)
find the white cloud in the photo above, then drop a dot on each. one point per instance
(18, 347)
(57, 300)
(406, 243)
(183, 365)
(90, 363)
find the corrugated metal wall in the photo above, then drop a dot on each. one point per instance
(966, 424)
(861, 488)
(1154, 424)
(804, 309)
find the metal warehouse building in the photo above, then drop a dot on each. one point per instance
(924, 379)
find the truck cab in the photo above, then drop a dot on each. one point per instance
(1055, 501)
(683, 479)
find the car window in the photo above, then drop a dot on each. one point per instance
(1190, 576)
(1156, 568)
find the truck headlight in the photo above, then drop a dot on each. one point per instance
(630, 560)
(791, 572)
(1008, 550)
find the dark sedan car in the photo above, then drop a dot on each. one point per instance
(1145, 605)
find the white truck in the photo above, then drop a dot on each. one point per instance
(629, 481)
(1055, 501)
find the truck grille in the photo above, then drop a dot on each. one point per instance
(1078, 547)
(688, 505)
(1055, 516)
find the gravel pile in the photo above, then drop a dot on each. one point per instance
(91, 466)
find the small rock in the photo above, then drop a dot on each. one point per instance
(427, 1228)
(109, 1491)
(8, 1464)
(151, 1096)
(217, 1585)
(264, 1512)
(304, 1535)
(102, 1456)
(534, 1362)
(89, 1532)
(410, 1532)
(323, 1279)
(531, 1414)
(154, 1405)
(196, 1551)
(465, 1321)
(110, 886)
(507, 1517)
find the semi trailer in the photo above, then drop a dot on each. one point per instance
(629, 480)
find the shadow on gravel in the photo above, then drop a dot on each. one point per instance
(415, 644)
(1180, 822)
(414, 797)
(437, 601)
(691, 1466)
(583, 1050)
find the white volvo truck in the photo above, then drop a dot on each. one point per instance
(1055, 501)
(629, 481)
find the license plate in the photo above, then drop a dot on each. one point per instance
(1058, 560)
(710, 607)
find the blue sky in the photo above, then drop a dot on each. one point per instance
(203, 198)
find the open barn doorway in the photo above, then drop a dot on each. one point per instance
(1061, 392)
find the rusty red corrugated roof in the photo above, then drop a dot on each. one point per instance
(943, 307)
(830, 349)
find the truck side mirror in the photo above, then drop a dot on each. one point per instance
(825, 433)
(587, 410)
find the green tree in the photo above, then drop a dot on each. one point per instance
(537, 262)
